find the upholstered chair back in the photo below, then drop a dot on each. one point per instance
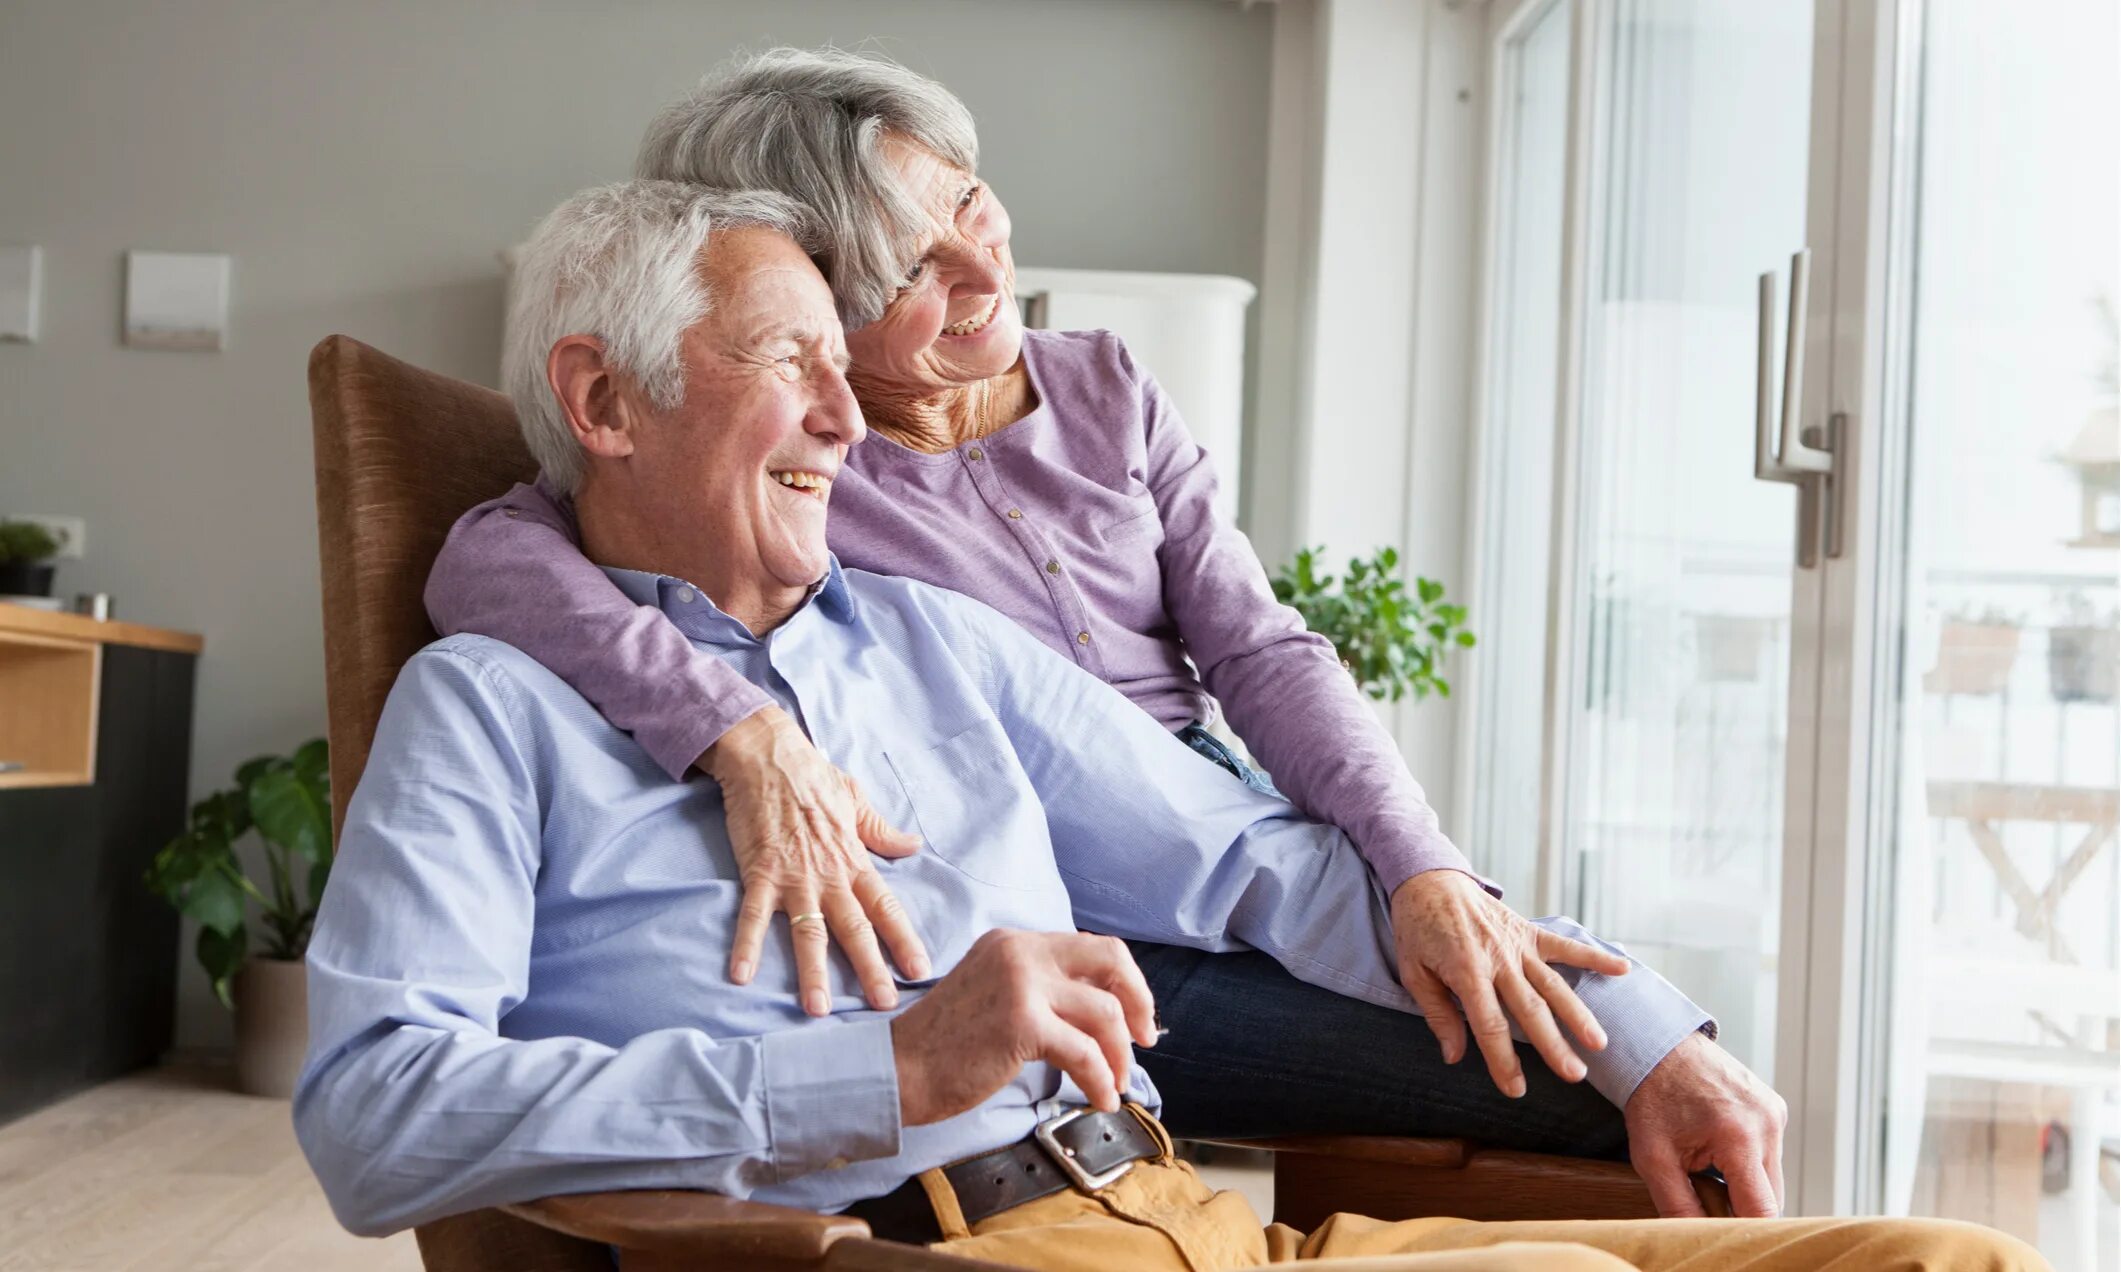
(401, 454)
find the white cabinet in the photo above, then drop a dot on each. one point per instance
(1187, 330)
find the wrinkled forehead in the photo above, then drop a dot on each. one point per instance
(758, 278)
(928, 181)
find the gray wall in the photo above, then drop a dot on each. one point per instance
(363, 162)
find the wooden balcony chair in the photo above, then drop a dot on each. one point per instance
(400, 454)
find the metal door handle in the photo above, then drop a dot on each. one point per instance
(1805, 458)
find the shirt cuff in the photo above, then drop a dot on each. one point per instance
(831, 1097)
(1394, 859)
(1643, 1014)
(678, 745)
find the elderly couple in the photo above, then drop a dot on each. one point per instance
(949, 748)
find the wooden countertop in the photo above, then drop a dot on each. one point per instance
(79, 627)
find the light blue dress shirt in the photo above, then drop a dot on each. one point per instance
(517, 982)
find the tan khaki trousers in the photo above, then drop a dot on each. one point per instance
(1160, 1217)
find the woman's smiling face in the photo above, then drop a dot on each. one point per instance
(954, 320)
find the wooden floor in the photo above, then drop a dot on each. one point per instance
(170, 1169)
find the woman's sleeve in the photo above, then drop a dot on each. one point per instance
(1281, 686)
(513, 570)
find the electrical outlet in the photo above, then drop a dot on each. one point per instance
(72, 531)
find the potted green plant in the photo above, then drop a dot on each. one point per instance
(286, 800)
(2084, 652)
(26, 552)
(1391, 640)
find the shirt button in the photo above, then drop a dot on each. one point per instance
(513, 513)
(975, 453)
(684, 596)
(1082, 638)
(1053, 567)
(1016, 514)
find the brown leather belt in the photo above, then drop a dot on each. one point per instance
(1081, 1148)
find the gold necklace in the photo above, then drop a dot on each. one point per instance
(983, 417)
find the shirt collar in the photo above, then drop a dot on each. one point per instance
(700, 618)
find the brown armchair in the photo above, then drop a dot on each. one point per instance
(400, 453)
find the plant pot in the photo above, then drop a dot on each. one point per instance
(1973, 658)
(26, 578)
(272, 1025)
(2083, 663)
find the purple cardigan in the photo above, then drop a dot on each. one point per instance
(1090, 522)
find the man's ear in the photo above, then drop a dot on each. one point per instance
(602, 417)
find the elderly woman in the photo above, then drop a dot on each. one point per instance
(1046, 474)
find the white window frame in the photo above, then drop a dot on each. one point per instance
(1829, 1053)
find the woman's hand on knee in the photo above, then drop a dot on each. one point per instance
(1473, 964)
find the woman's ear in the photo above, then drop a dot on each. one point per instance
(587, 386)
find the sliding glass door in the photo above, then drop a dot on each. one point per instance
(1991, 796)
(1622, 532)
(1835, 749)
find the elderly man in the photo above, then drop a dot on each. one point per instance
(515, 978)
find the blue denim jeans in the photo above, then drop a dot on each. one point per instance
(1218, 752)
(1252, 1051)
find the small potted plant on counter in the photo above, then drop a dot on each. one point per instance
(286, 800)
(26, 552)
(1391, 640)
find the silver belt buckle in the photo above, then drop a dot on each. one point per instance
(1064, 1157)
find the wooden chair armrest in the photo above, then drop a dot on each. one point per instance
(1405, 1150)
(1394, 1177)
(695, 1224)
(667, 1230)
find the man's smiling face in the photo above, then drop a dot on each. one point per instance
(767, 416)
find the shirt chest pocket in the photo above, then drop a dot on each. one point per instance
(976, 809)
(1141, 521)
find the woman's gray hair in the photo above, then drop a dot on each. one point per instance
(811, 124)
(621, 263)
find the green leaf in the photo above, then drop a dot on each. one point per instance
(222, 955)
(223, 813)
(1391, 640)
(214, 901)
(182, 860)
(252, 769)
(318, 874)
(313, 760)
(290, 813)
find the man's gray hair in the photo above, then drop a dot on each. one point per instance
(811, 124)
(621, 263)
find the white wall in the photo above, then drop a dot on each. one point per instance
(362, 163)
(1367, 305)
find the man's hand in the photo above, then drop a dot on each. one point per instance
(1070, 999)
(1455, 939)
(1700, 1108)
(799, 828)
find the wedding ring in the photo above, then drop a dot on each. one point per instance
(797, 920)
